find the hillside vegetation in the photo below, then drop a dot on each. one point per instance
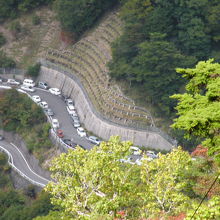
(23, 116)
(160, 36)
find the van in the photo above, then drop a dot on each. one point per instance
(29, 82)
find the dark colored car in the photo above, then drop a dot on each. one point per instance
(69, 143)
(43, 85)
(49, 112)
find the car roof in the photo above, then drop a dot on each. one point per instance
(93, 137)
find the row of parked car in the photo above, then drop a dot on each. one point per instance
(28, 85)
(70, 109)
(76, 123)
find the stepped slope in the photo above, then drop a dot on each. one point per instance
(87, 59)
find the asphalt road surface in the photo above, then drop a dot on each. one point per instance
(58, 106)
(21, 164)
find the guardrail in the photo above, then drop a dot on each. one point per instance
(13, 71)
(11, 164)
(109, 120)
(58, 141)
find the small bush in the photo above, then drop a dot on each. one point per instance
(34, 70)
(15, 27)
(3, 159)
(36, 20)
(2, 40)
(30, 191)
(6, 62)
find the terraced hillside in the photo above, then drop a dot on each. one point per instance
(87, 59)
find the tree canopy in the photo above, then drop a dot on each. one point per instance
(96, 184)
(199, 108)
(191, 33)
(11, 8)
(79, 15)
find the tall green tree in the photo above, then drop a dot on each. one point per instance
(79, 15)
(199, 108)
(96, 184)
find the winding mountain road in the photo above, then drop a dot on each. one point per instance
(20, 164)
(17, 159)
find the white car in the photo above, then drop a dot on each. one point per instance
(54, 91)
(94, 140)
(13, 82)
(76, 124)
(28, 82)
(43, 104)
(128, 160)
(135, 150)
(81, 132)
(151, 154)
(27, 88)
(71, 109)
(55, 123)
(69, 102)
(36, 98)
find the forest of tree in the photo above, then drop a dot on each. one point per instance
(160, 36)
(79, 15)
(11, 9)
(23, 204)
(158, 54)
(18, 113)
(96, 185)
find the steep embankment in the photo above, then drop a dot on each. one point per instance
(88, 60)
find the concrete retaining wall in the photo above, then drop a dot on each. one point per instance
(91, 120)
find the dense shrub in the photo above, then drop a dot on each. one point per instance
(190, 29)
(5, 61)
(2, 40)
(11, 9)
(35, 20)
(34, 70)
(79, 15)
(20, 114)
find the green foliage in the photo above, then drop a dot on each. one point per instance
(40, 207)
(199, 108)
(12, 8)
(15, 27)
(35, 20)
(96, 185)
(6, 62)
(34, 70)
(22, 115)
(10, 198)
(153, 68)
(79, 15)
(191, 32)
(208, 210)
(2, 40)
(164, 184)
(30, 191)
(53, 215)
(3, 159)
(12, 206)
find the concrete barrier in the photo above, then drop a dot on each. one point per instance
(71, 87)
